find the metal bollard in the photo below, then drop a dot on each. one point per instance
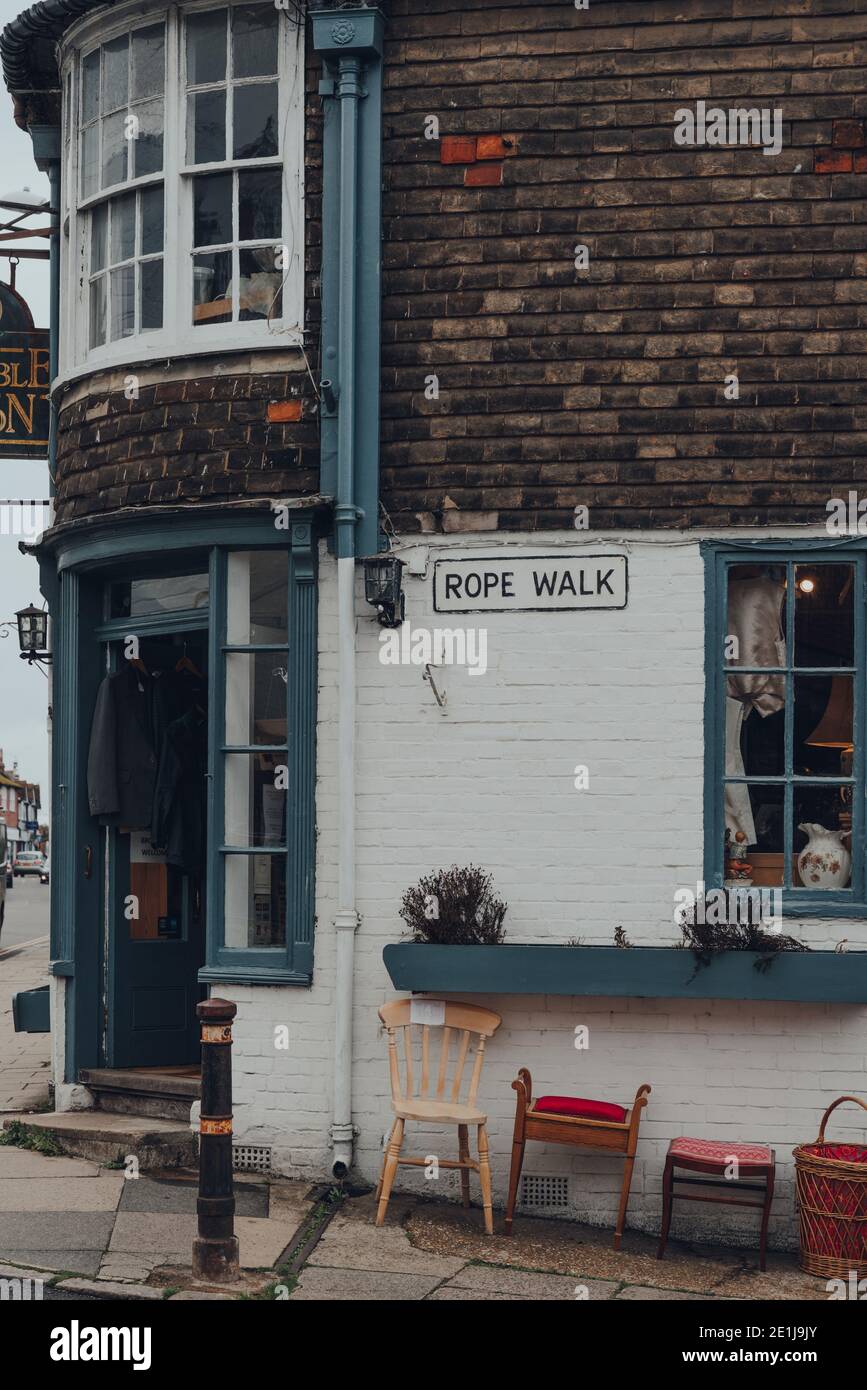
(215, 1250)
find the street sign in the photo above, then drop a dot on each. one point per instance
(531, 583)
(24, 380)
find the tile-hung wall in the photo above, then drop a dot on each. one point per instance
(492, 781)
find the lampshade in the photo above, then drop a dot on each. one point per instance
(834, 729)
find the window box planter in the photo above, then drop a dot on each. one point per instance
(641, 972)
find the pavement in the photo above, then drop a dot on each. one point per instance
(107, 1233)
(25, 1058)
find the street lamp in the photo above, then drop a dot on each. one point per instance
(382, 588)
(33, 634)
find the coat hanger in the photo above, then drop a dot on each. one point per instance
(185, 664)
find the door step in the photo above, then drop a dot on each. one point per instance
(154, 1092)
(106, 1138)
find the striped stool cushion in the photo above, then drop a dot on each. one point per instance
(721, 1152)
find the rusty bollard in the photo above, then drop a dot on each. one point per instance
(215, 1250)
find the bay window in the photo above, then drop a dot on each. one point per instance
(183, 153)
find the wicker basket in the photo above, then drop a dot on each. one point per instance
(832, 1203)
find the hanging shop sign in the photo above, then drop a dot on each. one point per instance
(24, 380)
(536, 583)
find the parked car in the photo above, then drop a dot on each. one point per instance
(28, 861)
(46, 870)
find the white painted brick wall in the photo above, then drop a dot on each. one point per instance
(491, 781)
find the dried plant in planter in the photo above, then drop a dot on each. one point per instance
(708, 939)
(455, 907)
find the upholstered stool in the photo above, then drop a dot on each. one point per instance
(715, 1157)
(587, 1124)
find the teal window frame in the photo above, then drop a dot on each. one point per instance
(719, 556)
(293, 962)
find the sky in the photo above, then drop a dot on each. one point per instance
(23, 688)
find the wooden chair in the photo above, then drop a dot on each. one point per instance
(444, 1107)
(567, 1120)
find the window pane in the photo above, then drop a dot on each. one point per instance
(98, 232)
(260, 286)
(90, 87)
(122, 228)
(206, 131)
(97, 312)
(212, 209)
(255, 121)
(755, 813)
(256, 693)
(152, 233)
(817, 829)
(137, 598)
(148, 142)
(212, 288)
(254, 41)
(755, 743)
(148, 62)
(90, 162)
(114, 150)
(260, 201)
(115, 74)
(258, 605)
(824, 732)
(122, 302)
(255, 900)
(824, 615)
(206, 48)
(152, 294)
(255, 808)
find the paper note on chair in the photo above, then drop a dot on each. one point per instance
(431, 1012)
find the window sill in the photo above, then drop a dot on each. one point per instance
(640, 972)
(247, 975)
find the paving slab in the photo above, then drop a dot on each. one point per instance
(50, 1261)
(147, 1193)
(102, 1289)
(169, 1234)
(361, 1286)
(263, 1242)
(50, 1194)
(488, 1279)
(128, 1269)
(636, 1293)
(196, 1296)
(349, 1244)
(25, 1163)
(77, 1230)
(19, 1272)
(452, 1293)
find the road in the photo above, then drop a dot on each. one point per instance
(26, 912)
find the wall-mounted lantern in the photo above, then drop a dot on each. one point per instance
(382, 588)
(33, 634)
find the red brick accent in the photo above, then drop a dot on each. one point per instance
(849, 134)
(496, 147)
(283, 412)
(861, 164)
(483, 176)
(458, 149)
(833, 162)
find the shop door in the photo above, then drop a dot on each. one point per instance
(155, 886)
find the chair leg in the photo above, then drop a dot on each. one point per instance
(766, 1213)
(514, 1179)
(485, 1180)
(667, 1179)
(389, 1170)
(463, 1155)
(378, 1193)
(624, 1199)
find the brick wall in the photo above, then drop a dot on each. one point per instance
(492, 781)
(604, 387)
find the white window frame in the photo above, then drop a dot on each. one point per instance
(179, 336)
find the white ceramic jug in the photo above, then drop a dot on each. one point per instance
(824, 862)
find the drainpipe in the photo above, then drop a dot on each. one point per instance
(346, 39)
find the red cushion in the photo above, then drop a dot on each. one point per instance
(586, 1109)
